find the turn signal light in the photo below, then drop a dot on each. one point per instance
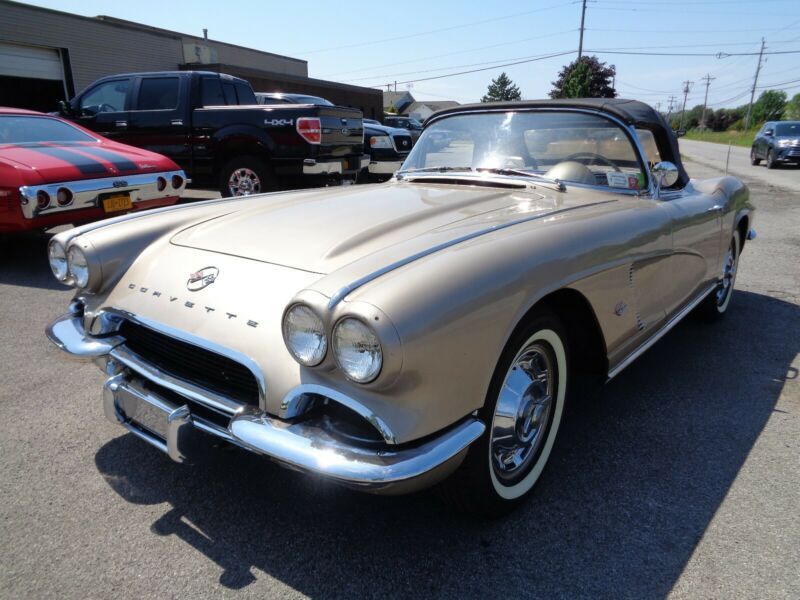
(42, 199)
(161, 184)
(64, 197)
(177, 181)
(310, 129)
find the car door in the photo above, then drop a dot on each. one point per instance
(104, 108)
(158, 119)
(696, 237)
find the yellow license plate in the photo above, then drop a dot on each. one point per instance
(117, 202)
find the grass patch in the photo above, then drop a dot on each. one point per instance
(737, 138)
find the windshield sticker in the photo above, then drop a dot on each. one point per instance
(617, 179)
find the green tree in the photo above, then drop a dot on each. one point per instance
(769, 106)
(793, 108)
(501, 89)
(586, 77)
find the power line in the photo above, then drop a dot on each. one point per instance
(518, 62)
(716, 54)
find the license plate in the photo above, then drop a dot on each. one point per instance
(143, 413)
(117, 202)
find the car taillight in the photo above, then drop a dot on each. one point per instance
(64, 197)
(161, 184)
(177, 181)
(310, 129)
(42, 199)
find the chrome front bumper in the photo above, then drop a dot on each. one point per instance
(385, 167)
(130, 401)
(86, 192)
(332, 167)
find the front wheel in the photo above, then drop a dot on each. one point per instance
(715, 305)
(245, 176)
(754, 160)
(771, 160)
(523, 412)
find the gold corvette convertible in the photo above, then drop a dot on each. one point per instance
(423, 331)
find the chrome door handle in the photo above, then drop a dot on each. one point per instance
(176, 122)
(714, 208)
(121, 123)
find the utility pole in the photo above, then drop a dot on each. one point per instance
(670, 107)
(658, 107)
(753, 91)
(686, 86)
(708, 79)
(583, 19)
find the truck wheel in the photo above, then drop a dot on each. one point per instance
(523, 412)
(245, 176)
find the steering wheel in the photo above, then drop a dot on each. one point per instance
(591, 155)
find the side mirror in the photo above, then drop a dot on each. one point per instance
(768, 132)
(680, 133)
(64, 108)
(665, 174)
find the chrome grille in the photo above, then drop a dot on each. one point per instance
(191, 363)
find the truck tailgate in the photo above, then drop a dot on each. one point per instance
(341, 129)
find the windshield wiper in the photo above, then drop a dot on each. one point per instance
(505, 171)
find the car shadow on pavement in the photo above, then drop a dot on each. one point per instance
(640, 472)
(23, 261)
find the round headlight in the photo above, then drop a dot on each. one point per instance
(78, 266)
(58, 260)
(357, 350)
(304, 334)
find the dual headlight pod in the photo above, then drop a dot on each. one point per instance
(356, 349)
(70, 266)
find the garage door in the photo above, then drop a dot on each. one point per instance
(30, 61)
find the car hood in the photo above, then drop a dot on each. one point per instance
(42, 162)
(323, 230)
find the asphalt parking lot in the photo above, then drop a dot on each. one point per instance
(680, 478)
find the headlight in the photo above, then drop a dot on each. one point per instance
(78, 266)
(58, 260)
(380, 141)
(357, 350)
(783, 143)
(304, 335)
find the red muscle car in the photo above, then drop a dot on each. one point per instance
(54, 172)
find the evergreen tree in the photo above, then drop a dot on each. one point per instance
(502, 88)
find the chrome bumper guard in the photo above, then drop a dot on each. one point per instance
(173, 429)
(334, 167)
(86, 192)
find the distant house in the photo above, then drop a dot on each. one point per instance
(397, 101)
(422, 110)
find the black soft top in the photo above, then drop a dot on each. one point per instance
(630, 112)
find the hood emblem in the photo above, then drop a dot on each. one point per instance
(202, 278)
(120, 183)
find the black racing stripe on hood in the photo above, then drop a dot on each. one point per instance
(84, 164)
(118, 160)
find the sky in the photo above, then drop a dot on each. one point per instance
(421, 44)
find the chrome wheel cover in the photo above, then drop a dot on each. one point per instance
(244, 182)
(523, 413)
(728, 274)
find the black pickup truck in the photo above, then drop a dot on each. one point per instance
(212, 126)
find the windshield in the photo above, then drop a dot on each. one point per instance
(788, 128)
(569, 146)
(19, 129)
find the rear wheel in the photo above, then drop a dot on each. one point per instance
(245, 176)
(523, 414)
(716, 303)
(754, 160)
